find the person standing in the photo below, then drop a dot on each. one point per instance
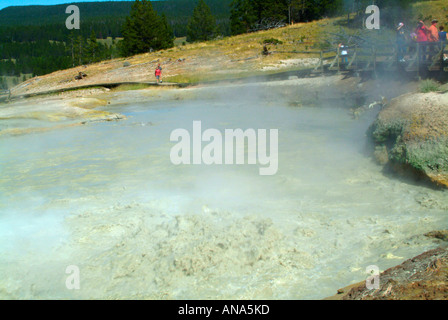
(344, 53)
(433, 36)
(443, 39)
(158, 74)
(422, 39)
(422, 32)
(442, 34)
(401, 42)
(433, 32)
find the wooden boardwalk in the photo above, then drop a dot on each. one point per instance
(416, 58)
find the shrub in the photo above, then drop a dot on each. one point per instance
(272, 41)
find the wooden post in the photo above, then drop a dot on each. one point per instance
(322, 62)
(443, 55)
(442, 50)
(339, 62)
(418, 60)
(374, 60)
(397, 53)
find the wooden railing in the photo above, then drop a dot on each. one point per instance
(368, 58)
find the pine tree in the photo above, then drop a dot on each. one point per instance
(145, 30)
(79, 49)
(202, 25)
(272, 10)
(242, 16)
(71, 47)
(92, 48)
(167, 35)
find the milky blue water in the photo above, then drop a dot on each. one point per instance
(106, 198)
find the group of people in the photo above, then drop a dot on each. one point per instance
(422, 34)
(431, 34)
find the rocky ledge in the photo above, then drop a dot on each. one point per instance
(421, 278)
(33, 116)
(411, 135)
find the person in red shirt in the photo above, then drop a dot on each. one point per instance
(422, 32)
(158, 74)
(422, 38)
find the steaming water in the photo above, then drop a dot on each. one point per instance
(106, 198)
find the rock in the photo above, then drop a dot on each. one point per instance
(441, 235)
(80, 76)
(432, 201)
(420, 278)
(126, 64)
(411, 134)
(381, 155)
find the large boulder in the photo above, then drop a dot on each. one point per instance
(411, 134)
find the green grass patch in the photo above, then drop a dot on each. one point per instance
(429, 85)
(130, 87)
(180, 41)
(209, 77)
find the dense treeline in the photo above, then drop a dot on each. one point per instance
(106, 18)
(45, 56)
(252, 15)
(106, 27)
(32, 57)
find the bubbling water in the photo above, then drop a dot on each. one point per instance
(105, 197)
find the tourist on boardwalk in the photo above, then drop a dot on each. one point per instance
(433, 35)
(422, 38)
(344, 53)
(401, 42)
(442, 34)
(443, 39)
(422, 32)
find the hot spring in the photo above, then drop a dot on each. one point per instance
(106, 198)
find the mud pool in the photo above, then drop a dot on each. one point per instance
(106, 198)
